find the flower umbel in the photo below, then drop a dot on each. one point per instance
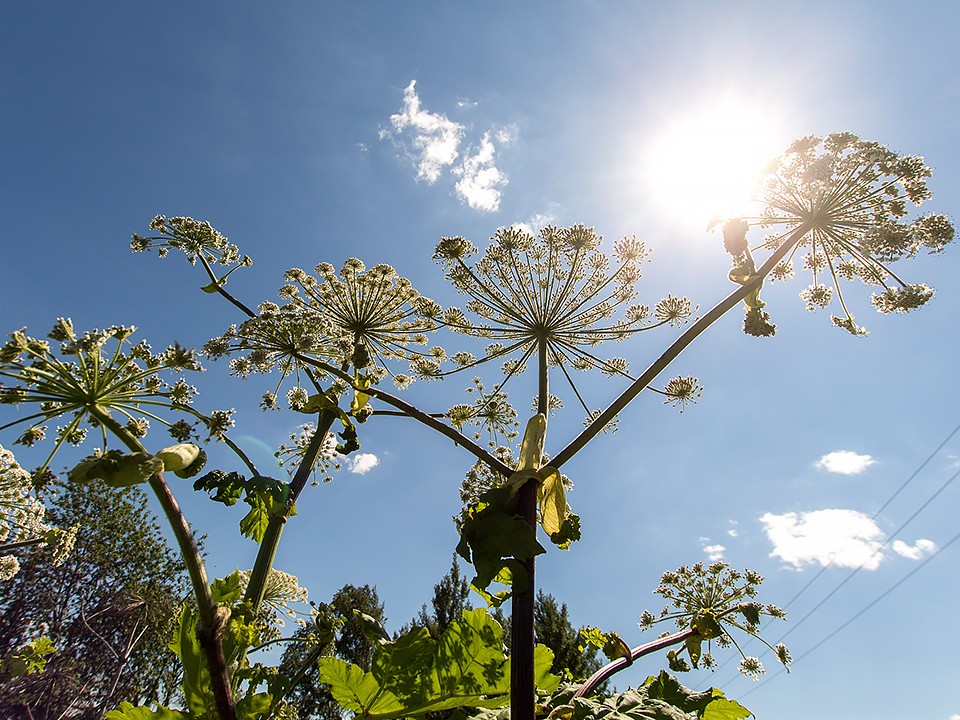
(711, 600)
(555, 293)
(374, 314)
(95, 372)
(852, 197)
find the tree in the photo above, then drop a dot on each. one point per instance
(108, 609)
(552, 627)
(450, 599)
(308, 696)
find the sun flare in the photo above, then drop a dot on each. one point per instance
(705, 161)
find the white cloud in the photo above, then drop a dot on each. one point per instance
(845, 538)
(362, 463)
(714, 552)
(480, 179)
(733, 531)
(536, 222)
(433, 141)
(435, 138)
(955, 716)
(845, 462)
(916, 551)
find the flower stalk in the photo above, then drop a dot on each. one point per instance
(210, 625)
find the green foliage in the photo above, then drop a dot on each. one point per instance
(552, 628)
(31, 657)
(110, 621)
(265, 496)
(126, 711)
(416, 674)
(312, 699)
(494, 538)
(659, 698)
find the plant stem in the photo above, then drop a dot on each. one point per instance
(431, 420)
(677, 347)
(208, 630)
(271, 537)
(522, 686)
(619, 664)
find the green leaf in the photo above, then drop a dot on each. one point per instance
(214, 286)
(226, 487)
(493, 537)
(127, 711)
(254, 523)
(722, 709)
(254, 707)
(355, 690)
(552, 497)
(416, 674)
(196, 677)
(569, 532)
(666, 687)
(226, 591)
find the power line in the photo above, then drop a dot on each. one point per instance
(889, 539)
(867, 607)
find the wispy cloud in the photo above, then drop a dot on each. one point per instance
(921, 548)
(362, 463)
(845, 462)
(434, 143)
(714, 552)
(433, 137)
(480, 180)
(538, 221)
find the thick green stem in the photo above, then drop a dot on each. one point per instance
(271, 537)
(619, 664)
(209, 628)
(522, 685)
(677, 347)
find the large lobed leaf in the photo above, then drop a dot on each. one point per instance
(416, 674)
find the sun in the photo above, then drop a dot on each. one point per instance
(705, 161)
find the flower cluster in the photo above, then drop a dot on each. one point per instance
(21, 518)
(281, 591)
(371, 316)
(711, 600)
(96, 374)
(489, 412)
(279, 338)
(290, 456)
(851, 198)
(554, 294)
(194, 238)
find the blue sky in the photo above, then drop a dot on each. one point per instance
(322, 131)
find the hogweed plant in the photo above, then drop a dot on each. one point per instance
(544, 303)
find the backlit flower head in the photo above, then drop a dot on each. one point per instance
(21, 514)
(374, 314)
(712, 599)
(490, 412)
(194, 238)
(558, 290)
(852, 195)
(97, 370)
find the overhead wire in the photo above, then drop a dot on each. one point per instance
(883, 546)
